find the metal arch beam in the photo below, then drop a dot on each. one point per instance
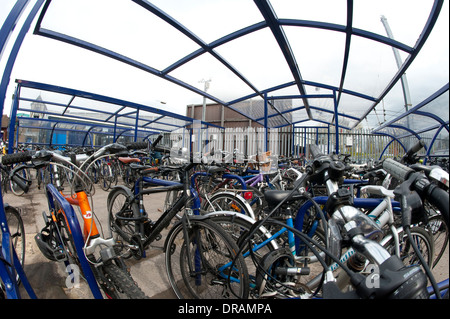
(51, 133)
(103, 98)
(204, 47)
(431, 98)
(393, 139)
(434, 14)
(434, 117)
(434, 139)
(5, 32)
(348, 37)
(10, 22)
(341, 28)
(272, 21)
(408, 130)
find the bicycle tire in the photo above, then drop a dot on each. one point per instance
(227, 201)
(439, 230)
(17, 233)
(118, 204)
(205, 281)
(104, 183)
(119, 283)
(423, 241)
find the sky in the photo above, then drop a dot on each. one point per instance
(126, 28)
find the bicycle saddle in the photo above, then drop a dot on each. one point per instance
(273, 197)
(127, 160)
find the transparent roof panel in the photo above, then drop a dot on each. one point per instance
(319, 53)
(333, 11)
(406, 18)
(258, 58)
(369, 58)
(211, 20)
(135, 38)
(160, 54)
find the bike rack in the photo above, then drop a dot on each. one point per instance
(77, 235)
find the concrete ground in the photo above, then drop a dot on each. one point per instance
(48, 278)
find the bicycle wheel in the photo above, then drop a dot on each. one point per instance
(17, 231)
(104, 178)
(120, 214)
(238, 227)
(199, 266)
(117, 283)
(423, 241)
(439, 230)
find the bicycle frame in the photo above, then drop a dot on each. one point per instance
(138, 192)
(376, 205)
(81, 200)
(53, 195)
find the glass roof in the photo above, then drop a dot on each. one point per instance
(306, 59)
(428, 120)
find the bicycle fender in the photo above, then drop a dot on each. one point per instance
(238, 197)
(123, 187)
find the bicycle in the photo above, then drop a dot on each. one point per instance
(195, 248)
(83, 251)
(12, 245)
(283, 259)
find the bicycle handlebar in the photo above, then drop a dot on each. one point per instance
(435, 195)
(315, 151)
(397, 169)
(155, 142)
(136, 145)
(409, 155)
(14, 158)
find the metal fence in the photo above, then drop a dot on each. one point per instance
(360, 144)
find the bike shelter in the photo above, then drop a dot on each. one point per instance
(328, 66)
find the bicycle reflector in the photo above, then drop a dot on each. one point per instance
(248, 195)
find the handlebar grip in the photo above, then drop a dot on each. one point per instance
(417, 147)
(315, 150)
(155, 142)
(24, 186)
(136, 145)
(396, 169)
(8, 159)
(439, 198)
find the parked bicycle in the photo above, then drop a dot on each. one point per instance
(195, 248)
(279, 269)
(83, 250)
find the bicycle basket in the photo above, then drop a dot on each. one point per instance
(265, 162)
